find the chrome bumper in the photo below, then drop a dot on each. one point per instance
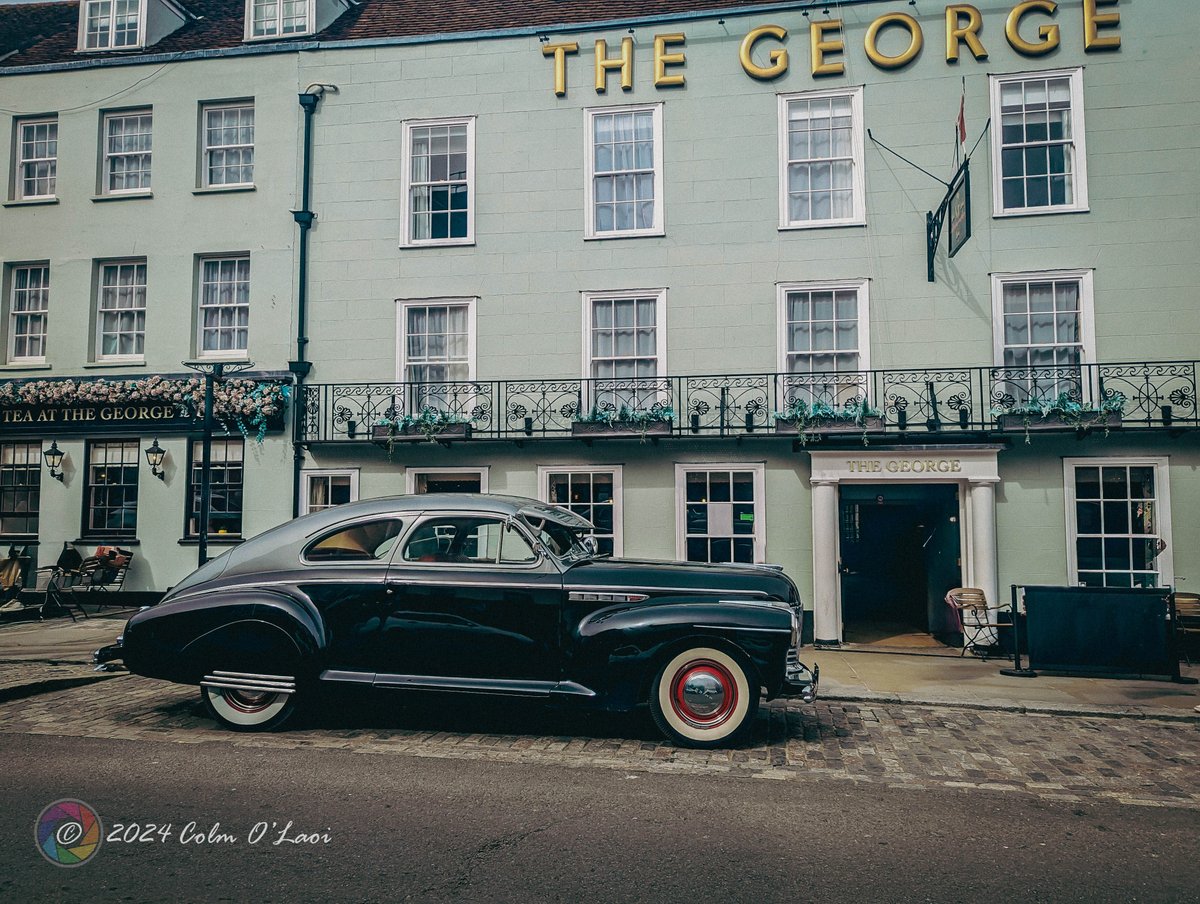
(799, 680)
(106, 659)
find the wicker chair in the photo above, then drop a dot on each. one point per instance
(975, 621)
(1187, 620)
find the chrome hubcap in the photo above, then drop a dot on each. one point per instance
(703, 692)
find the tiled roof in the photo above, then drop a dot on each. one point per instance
(42, 33)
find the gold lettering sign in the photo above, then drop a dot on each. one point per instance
(662, 60)
(82, 415)
(624, 63)
(559, 52)
(915, 41)
(820, 47)
(778, 57)
(957, 33)
(1094, 20)
(905, 466)
(1048, 33)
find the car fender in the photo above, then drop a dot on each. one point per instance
(257, 631)
(620, 649)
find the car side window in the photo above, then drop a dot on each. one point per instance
(370, 541)
(467, 540)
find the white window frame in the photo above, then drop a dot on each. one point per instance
(406, 157)
(99, 48)
(235, 354)
(13, 314)
(402, 306)
(658, 227)
(206, 149)
(1162, 484)
(309, 22)
(759, 469)
(106, 158)
(308, 474)
(1087, 315)
(660, 324)
(20, 161)
(617, 472)
(100, 310)
(413, 472)
(1078, 143)
(858, 182)
(863, 289)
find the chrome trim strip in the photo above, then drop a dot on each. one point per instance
(581, 596)
(513, 686)
(739, 628)
(234, 684)
(254, 677)
(609, 588)
(353, 677)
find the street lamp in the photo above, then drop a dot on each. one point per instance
(154, 457)
(54, 457)
(213, 372)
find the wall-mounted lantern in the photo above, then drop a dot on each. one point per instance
(54, 459)
(154, 456)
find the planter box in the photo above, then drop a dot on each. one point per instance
(871, 424)
(388, 434)
(620, 429)
(1019, 423)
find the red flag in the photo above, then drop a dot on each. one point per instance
(962, 118)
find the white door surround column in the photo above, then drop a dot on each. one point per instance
(973, 468)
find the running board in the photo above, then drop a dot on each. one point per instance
(508, 686)
(255, 684)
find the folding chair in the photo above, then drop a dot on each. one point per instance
(49, 593)
(975, 621)
(1187, 620)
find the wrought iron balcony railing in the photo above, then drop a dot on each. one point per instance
(905, 401)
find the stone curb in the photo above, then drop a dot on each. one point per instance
(1051, 709)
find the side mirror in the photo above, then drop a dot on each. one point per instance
(591, 545)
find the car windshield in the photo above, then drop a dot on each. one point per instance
(561, 541)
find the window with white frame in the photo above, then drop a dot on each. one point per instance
(110, 24)
(420, 481)
(439, 177)
(824, 331)
(1118, 522)
(326, 489)
(276, 18)
(1043, 332)
(121, 310)
(591, 493)
(228, 144)
(28, 313)
(1039, 163)
(37, 158)
(625, 347)
(437, 353)
(224, 306)
(128, 143)
(624, 171)
(720, 513)
(821, 159)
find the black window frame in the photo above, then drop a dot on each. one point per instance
(191, 506)
(8, 487)
(87, 532)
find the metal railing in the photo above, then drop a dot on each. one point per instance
(1160, 394)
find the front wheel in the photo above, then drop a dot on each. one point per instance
(704, 698)
(243, 710)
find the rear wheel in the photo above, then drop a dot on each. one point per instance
(243, 710)
(703, 697)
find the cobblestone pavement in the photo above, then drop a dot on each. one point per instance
(1132, 761)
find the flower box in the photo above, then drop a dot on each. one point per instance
(620, 429)
(1020, 423)
(869, 424)
(415, 433)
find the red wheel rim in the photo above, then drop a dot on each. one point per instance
(704, 693)
(246, 702)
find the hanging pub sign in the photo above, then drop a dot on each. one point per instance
(955, 207)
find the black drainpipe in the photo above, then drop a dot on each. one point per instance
(301, 366)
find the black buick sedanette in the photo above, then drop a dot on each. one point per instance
(472, 594)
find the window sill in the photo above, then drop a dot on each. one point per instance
(1038, 212)
(32, 365)
(99, 365)
(30, 202)
(447, 243)
(20, 539)
(102, 540)
(223, 189)
(645, 234)
(832, 224)
(217, 539)
(122, 196)
(290, 36)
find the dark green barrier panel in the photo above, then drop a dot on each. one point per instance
(1111, 630)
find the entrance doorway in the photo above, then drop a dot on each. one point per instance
(900, 553)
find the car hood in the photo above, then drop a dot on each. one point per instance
(682, 576)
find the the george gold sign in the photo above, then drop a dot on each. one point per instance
(84, 415)
(904, 466)
(1030, 28)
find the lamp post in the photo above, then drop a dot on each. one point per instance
(213, 372)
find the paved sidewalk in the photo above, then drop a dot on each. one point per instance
(37, 656)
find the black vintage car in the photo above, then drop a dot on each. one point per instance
(472, 594)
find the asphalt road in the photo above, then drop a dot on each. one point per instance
(413, 828)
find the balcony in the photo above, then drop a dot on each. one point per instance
(940, 404)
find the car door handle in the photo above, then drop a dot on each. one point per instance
(390, 587)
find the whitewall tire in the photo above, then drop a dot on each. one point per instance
(703, 697)
(248, 710)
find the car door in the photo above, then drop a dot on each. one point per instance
(469, 596)
(344, 573)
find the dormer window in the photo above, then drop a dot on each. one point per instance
(110, 24)
(278, 18)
